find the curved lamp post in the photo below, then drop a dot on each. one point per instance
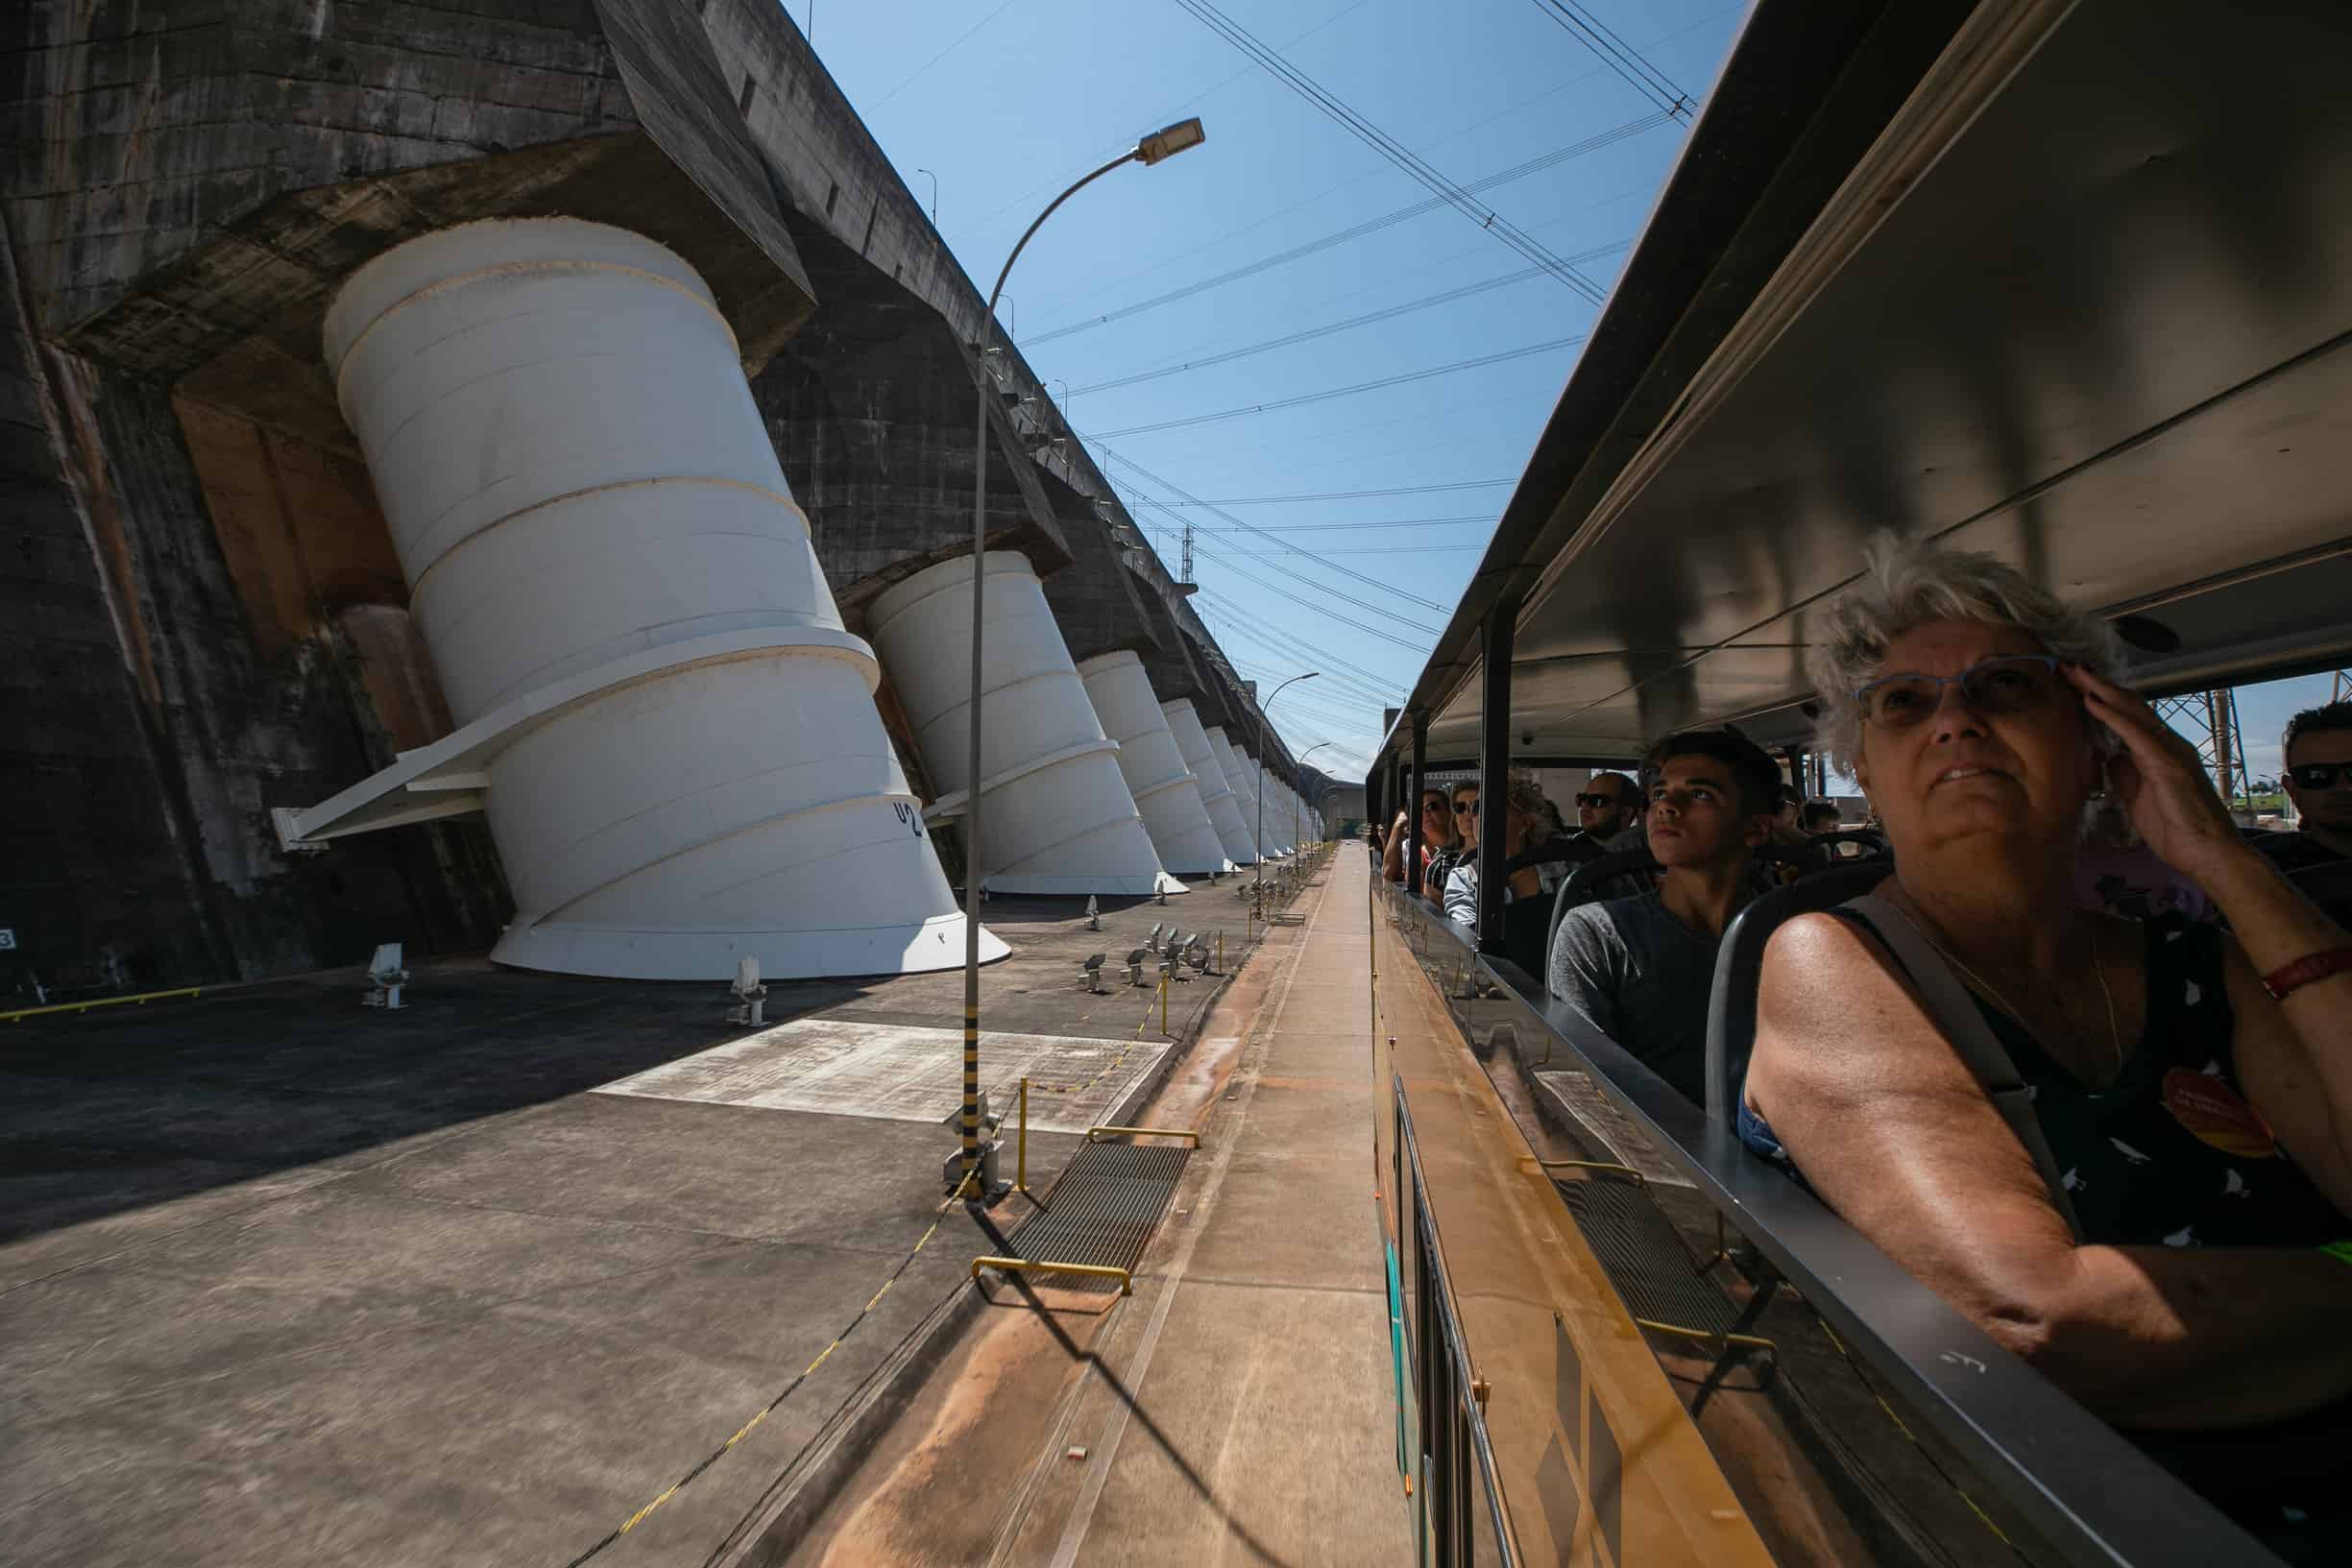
(1259, 830)
(1326, 788)
(1155, 148)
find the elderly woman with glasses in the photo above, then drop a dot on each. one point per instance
(2154, 1217)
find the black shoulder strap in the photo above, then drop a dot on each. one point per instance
(1953, 1011)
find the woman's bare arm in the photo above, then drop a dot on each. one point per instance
(2293, 1057)
(1893, 1131)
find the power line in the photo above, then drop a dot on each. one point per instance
(1330, 392)
(1320, 588)
(1406, 549)
(1563, 85)
(1618, 55)
(1323, 588)
(1427, 300)
(1343, 494)
(1384, 522)
(909, 81)
(1134, 467)
(1373, 226)
(1027, 201)
(1367, 684)
(1366, 687)
(1395, 151)
(1350, 723)
(1291, 663)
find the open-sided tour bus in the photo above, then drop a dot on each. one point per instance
(2069, 282)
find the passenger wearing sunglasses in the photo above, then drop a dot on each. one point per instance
(1437, 834)
(1462, 807)
(1609, 806)
(2319, 780)
(2143, 1185)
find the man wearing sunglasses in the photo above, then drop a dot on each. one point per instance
(1604, 806)
(2318, 752)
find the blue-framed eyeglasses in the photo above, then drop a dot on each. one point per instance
(2008, 684)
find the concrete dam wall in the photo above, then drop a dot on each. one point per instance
(292, 675)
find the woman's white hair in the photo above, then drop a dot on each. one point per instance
(1908, 585)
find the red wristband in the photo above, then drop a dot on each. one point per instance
(2285, 981)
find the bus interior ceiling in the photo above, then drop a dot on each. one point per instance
(2100, 333)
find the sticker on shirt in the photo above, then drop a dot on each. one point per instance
(2213, 1111)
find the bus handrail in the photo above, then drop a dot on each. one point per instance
(1451, 1334)
(2091, 1492)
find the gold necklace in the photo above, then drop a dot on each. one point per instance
(2098, 968)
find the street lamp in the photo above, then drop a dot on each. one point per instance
(1162, 144)
(1260, 845)
(935, 198)
(1318, 807)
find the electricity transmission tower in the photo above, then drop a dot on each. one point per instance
(2209, 719)
(1185, 567)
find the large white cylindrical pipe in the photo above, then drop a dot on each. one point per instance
(1056, 814)
(1245, 798)
(1152, 763)
(1258, 804)
(1216, 790)
(674, 737)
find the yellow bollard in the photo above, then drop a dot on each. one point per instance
(1020, 1167)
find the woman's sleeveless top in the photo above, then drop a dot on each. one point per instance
(2170, 1153)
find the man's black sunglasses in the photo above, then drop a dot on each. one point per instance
(1597, 802)
(2318, 775)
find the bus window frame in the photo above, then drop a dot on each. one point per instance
(2089, 1492)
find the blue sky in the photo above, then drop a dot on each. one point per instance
(1003, 102)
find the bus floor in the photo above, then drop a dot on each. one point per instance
(1239, 1407)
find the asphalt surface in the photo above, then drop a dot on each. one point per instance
(283, 1280)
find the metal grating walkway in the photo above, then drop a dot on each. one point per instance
(1101, 1211)
(1644, 1258)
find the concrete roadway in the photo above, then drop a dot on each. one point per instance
(287, 1282)
(1239, 1408)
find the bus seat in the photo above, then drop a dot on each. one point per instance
(2328, 886)
(1597, 880)
(1730, 1006)
(1555, 852)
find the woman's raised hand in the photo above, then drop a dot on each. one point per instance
(2160, 779)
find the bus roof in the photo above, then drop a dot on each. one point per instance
(2065, 283)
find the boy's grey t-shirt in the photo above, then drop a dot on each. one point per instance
(1642, 977)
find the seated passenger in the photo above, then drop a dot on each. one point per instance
(1437, 833)
(1527, 821)
(2170, 1254)
(1639, 969)
(1820, 817)
(2319, 780)
(1607, 806)
(1461, 806)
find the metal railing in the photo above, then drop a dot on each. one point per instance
(1456, 1460)
(2086, 1490)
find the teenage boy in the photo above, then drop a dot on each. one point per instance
(1639, 969)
